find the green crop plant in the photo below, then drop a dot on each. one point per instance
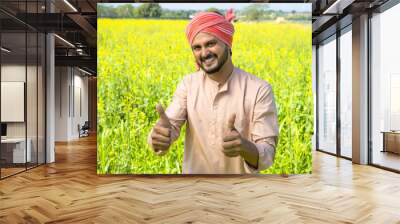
(140, 63)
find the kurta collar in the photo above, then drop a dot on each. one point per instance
(224, 86)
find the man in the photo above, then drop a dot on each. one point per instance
(231, 116)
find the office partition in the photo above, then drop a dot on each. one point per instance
(22, 77)
(327, 95)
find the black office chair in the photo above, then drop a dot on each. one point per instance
(84, 130)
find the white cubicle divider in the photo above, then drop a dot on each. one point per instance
(18, 149)
(19, 155)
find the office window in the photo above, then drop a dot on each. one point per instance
(385, 88)
(346, 92)
(327, 96)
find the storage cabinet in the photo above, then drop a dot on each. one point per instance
(391, 142)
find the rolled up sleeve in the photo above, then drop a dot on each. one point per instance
(265, 131)
(176, 111)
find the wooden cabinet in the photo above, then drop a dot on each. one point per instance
(391, 142)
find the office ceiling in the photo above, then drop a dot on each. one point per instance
(74, 22)
(330, 15)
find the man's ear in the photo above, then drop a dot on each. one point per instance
(230, 50)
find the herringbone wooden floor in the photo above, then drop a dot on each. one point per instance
(69, 191)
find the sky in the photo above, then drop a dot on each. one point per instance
(299, 7)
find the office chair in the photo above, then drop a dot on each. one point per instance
(84, 130)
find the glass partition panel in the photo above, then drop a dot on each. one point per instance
(31, 97)
(22, 64)
(346, 94)
(15, 151)
(327, 96)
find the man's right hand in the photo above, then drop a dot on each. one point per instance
(161, 135)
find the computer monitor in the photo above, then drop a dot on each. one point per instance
(3, 129)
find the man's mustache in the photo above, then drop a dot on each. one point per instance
(208, 57)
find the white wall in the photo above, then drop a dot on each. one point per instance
(80, 88)
(11, 73)
(33, 126)
(70, 83)
(13, 101)
(62, 81)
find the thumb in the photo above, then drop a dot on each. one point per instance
(164, 121)
(231, 122)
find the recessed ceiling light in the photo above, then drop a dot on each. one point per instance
(338, 6)
(86, 72)
(70, 5)
(64, 40)
(5, 50)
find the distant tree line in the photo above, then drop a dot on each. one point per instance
(145, 10)
(252, 12)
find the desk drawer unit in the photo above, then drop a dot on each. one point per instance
(13, 151)
(392, 142)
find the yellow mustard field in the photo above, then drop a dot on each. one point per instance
(140, 63)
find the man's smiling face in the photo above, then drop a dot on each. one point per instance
(210, 52)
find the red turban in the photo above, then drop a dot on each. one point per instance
(212, 23)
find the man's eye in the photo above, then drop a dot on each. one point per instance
(211, 44)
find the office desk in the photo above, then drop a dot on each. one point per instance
(391, 141)
(13, 150)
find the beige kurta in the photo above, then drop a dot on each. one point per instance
(206, 106)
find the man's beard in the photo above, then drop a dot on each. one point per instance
(220, 62)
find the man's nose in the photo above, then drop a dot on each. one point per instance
(204, 52)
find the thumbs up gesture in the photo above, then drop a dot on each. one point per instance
(232, 140)
(161, 135)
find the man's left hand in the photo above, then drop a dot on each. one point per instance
(232, 140)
